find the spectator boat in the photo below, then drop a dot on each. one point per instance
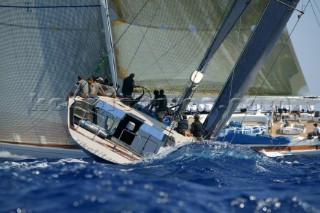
(283, 137)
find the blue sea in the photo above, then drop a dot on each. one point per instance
(198, 177)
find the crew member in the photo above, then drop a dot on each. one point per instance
(127, 88)
(316, 129)
(161, 109)
(197, 128)
(83, 87)
(183, 126)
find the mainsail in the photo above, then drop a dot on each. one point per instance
(265, 35)
(44, 46)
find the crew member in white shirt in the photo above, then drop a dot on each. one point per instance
(316, 129)
(296, 111)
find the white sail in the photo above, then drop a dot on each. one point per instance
(44, 46)
(163, 41)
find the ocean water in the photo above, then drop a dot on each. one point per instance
(198, 177)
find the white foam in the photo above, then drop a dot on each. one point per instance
(272, 154)
(72, 160)
(6, 154)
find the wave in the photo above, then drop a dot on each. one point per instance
(197, 177)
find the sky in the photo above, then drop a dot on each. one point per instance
(306, 42)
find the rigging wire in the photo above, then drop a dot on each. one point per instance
(315, 14)
(153, 54)
(51, 28)
(144, 35)
(302, 5)
(290, 6)
(166, 52)
(142, 39)
(316, 5)
(134, 18)
(70, 6)
(126, 29)
(48, 6)
(28, 6)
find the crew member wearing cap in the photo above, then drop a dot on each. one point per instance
(110, 91)
(316, 129)
(98, 88)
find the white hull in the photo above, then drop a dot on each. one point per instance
(34, 152)
(298, 146)
(104, 150)
(297, 152)
(120, 134)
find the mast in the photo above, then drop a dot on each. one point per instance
(261, 42)
(109, 41)
(237, 9)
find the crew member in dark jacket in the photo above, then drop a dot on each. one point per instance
(127, 88)
(196, 128)
(183, 126)
(154, 101)
(161, 109)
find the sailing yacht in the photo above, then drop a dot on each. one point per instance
(129, 122)
(160, 41)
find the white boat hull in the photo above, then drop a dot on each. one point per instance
(100, 149)
(298, 146)
(120, 134)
